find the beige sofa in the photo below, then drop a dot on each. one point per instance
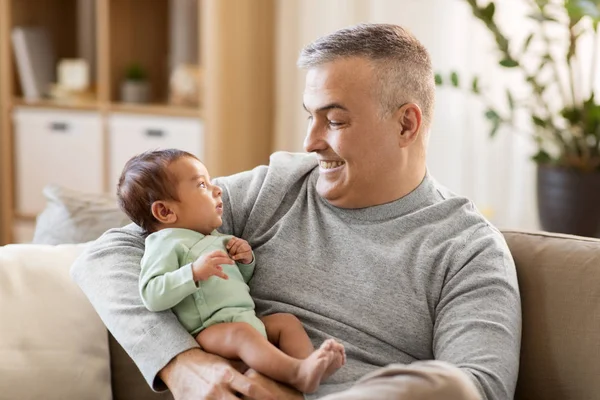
(559, 277)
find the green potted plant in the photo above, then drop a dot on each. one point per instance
(135, 88)
(565, 116)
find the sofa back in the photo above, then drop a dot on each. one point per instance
(127, 380)
(559, 279)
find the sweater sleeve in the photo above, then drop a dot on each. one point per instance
(108, 273)
(478, 317)
(261, 189)
(240, 192)
(163, 284)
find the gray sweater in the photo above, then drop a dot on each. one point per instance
(423, 277)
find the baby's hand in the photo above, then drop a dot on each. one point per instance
(240, 250)
(208, 265)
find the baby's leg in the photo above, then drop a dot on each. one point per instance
(240, 340)
(286, 331)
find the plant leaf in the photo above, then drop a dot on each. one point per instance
(577, 9)
(511, 100)
(495, 127)
(540, 17)
(509, 63)
(454, 79)
(438, 80)
(542, 157)
(475, 85)
(527, 43)
(492, 115)
(495, 119)
(574, 11)
(572, 114)
(489, 11)
(538, 121)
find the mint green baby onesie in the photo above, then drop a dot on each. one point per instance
(166, 281)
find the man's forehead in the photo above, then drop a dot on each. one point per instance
(336, 83)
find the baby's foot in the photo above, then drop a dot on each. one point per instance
(339, 358)
(313, 369)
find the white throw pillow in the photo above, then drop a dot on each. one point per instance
(53, 345)
(71, 216)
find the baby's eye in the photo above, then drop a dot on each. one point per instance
(202, 185)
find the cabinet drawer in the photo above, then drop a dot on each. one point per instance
(56, 147)
(134, 134)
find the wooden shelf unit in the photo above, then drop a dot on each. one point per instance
(236, 45)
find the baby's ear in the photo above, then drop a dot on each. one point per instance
(163, 212)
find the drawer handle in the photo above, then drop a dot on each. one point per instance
(155, 133)
(59, 126)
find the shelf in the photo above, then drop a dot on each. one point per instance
(157, 109)
(152, 109)
(59, 104)
(24, 217)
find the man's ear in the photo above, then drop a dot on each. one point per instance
(163, 212)
(409, 119)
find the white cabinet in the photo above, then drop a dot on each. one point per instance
(65, 148)
(133, 134)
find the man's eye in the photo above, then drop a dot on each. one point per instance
(335, 124)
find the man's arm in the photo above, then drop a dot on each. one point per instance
(240, 192)
(478, 317)
(108, 273)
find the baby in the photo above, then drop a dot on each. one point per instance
(202, 275)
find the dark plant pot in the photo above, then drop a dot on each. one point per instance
(569, 201)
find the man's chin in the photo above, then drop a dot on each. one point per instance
(328, 191)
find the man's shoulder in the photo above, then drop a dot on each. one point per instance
(461, 216)
(284, 169)
(293, 161)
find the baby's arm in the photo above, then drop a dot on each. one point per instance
(241, 252)
(163, 284)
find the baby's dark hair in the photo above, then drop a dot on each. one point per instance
(146, 179)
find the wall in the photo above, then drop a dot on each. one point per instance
(496, 174)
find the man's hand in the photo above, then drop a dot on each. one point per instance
(208, 265)
(280, 391)
(197, 375)
(240, 250)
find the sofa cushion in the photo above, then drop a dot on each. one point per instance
(71, 216)
(53, 345)
(559, 280)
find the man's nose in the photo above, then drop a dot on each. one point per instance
(314, 140)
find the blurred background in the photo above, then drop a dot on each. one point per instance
(86, 84)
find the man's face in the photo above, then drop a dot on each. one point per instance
(357, 148)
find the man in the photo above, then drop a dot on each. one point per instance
(357, 240)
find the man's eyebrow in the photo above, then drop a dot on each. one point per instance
(327, 107)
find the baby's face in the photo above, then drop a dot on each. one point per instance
(199, 207)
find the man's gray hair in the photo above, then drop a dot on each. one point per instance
(402, 63)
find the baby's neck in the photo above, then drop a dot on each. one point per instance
(181, 226)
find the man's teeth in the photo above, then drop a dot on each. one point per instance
(331, 164)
